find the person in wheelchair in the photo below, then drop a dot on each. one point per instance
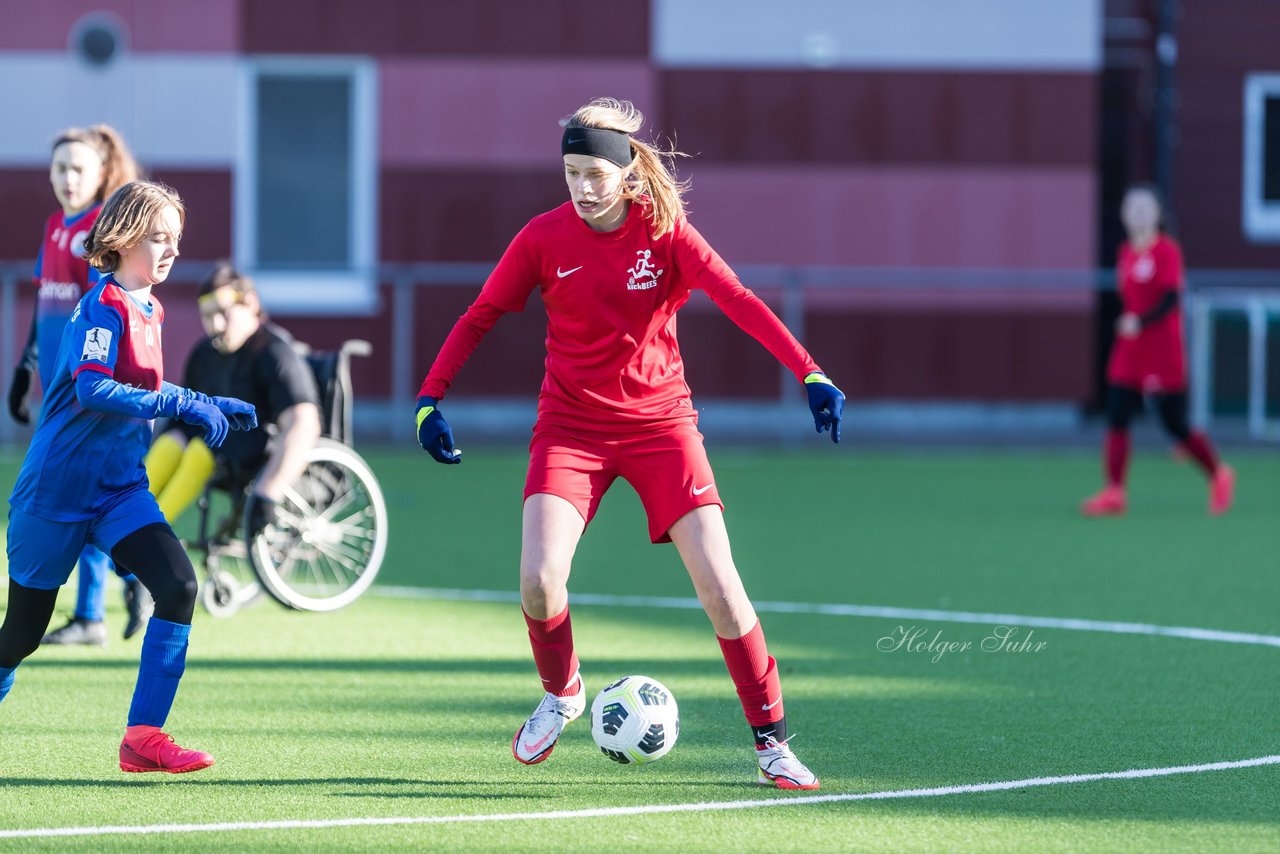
(248, 357)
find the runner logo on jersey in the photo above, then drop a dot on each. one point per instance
(643, 276)
(97, 345)
(1144, 267)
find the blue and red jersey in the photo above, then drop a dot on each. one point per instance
(95, 425)
(62, 277)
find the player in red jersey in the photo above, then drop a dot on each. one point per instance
(87, 165)
(1148, 357)
(613, 265)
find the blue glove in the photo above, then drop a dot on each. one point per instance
(206, 416)
(434, 434)
(240, 415)
(826, 402)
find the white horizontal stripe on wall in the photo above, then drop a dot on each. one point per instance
(173, 110)
(961, 34)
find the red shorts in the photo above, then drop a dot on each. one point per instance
(1153, 363)
(668, 469)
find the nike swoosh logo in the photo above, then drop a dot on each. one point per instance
(562, 273)
(699, 490)
(771, 705)
(139, 759)
(537, 745)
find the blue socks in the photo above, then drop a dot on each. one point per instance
(6, 681)
(164, 657)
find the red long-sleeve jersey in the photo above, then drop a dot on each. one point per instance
(613, 362)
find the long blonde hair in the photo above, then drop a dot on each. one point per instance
(118, 165)
(125, 219)
(652, 170)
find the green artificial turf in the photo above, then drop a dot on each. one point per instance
(404, 707)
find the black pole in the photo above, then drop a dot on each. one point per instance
(1165, 95)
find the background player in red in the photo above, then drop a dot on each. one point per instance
(86, 166)
(613, 265)
(83, 478)
(1149, 357)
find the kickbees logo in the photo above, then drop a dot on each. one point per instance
(643, 276)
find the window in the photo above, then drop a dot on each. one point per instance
(1262, 157)
(305, 185)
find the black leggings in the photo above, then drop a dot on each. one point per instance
(1122, 403)
(152, 553)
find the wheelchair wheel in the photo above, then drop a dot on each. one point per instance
(225, 591)
(330, 533)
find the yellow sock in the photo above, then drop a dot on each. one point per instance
(188, 480)
(162, 461)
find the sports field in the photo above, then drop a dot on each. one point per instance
(389, 724)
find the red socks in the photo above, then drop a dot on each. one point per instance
(1117, 453)
(552, 642)
(755, 675)
(1198, 446)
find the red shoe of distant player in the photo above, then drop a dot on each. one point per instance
(147, 748)
(1222, 490)
(1109, 502)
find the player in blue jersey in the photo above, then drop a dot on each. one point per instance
(86, 166)
(83, 479)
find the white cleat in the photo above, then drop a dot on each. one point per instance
(537, 736)
(780, 767)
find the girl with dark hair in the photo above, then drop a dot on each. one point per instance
(1149, 356)
(86, 166)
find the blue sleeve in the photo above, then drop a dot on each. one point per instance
(94, 331)
(40, 260)
(96, 390)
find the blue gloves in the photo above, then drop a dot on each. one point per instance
(241, 415)
(826, 402)
(206, 416)
(434, 434)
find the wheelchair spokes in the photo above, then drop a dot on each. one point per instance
(329, 537)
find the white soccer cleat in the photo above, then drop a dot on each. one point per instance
(537, 736)
(780, 767)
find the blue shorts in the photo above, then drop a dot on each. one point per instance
(43, 553)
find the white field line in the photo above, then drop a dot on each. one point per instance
(840, 610)
(646, 809)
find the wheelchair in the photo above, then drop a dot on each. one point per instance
(330, 535)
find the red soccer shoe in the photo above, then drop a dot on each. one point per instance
(1109, 502)
(147, 748)
(1222, 490)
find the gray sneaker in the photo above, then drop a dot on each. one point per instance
(78, 632)
(138, 602)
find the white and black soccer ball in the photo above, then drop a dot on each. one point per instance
(635, 720)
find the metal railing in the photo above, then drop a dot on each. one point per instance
(1256, 293)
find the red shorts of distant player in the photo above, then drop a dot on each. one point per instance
(1152, 363)
(668, 469)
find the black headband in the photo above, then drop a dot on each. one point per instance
(612, 145)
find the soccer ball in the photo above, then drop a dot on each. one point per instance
(635, 720)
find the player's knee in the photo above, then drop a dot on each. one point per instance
(175, 599)
(542, 577)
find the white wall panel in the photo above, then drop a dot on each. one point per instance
(173, 110)
(960, 34)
